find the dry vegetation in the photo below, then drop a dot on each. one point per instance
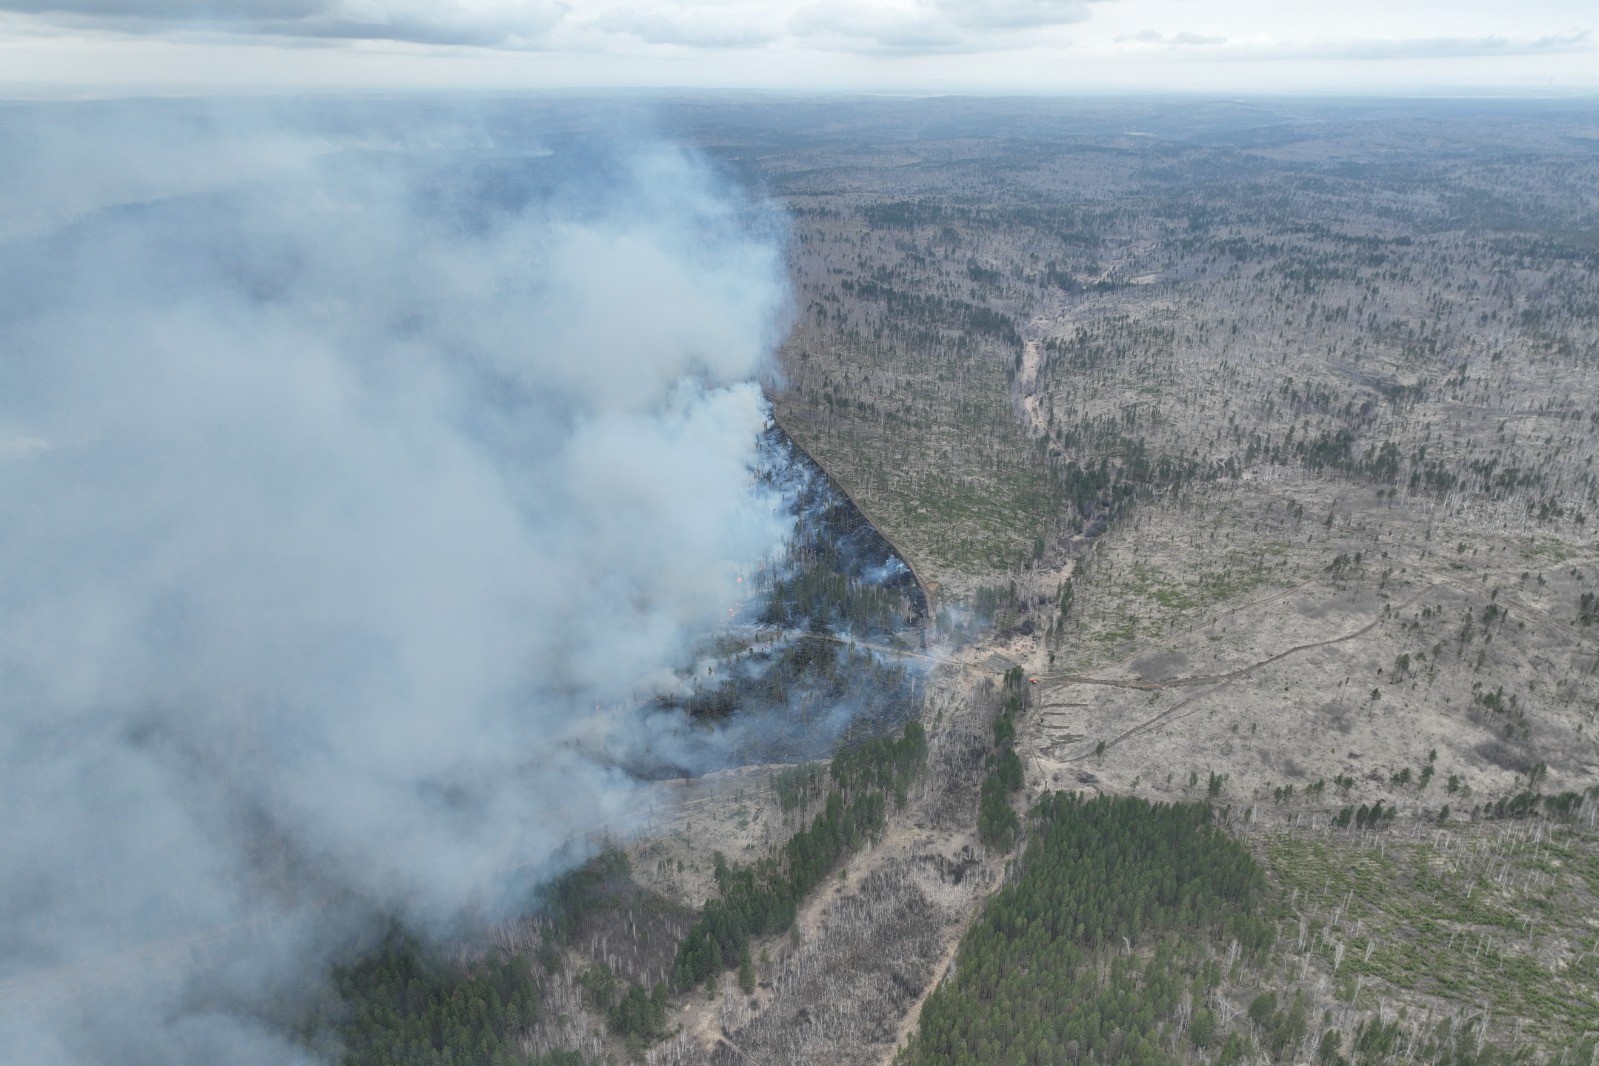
(1264, 437)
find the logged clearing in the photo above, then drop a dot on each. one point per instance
(1263, 440)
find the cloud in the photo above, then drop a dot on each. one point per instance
(932, 26)
(1217, 47)
(1013, 14)
(1174, 39)
(582, 25)
(486, 23)
(1446, 47)
(691, 26)
(368, 496)
(850, 27)
(176, 9)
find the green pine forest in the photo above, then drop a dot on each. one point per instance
(761, 899)
(403, 1004)
(1126, 932)
(1122, 922)
(1113, 930)
(997, 824)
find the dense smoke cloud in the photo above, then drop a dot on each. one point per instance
(351, 500)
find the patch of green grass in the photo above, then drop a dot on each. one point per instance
(1125, 631)
(1215, 580)
(958, 484)
(1550, 550)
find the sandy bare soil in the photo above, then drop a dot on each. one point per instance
(1218, 636)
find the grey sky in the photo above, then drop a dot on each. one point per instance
(1001, 45)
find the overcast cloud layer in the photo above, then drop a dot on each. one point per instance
(551, 24)
(347, 514)
(1027, 46)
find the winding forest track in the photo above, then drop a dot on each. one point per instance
(1204, 679)
(1216, 681)
(1275, 597)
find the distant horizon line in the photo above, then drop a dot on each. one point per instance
(71, 92)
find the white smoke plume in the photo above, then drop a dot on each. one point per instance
(344, 504)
